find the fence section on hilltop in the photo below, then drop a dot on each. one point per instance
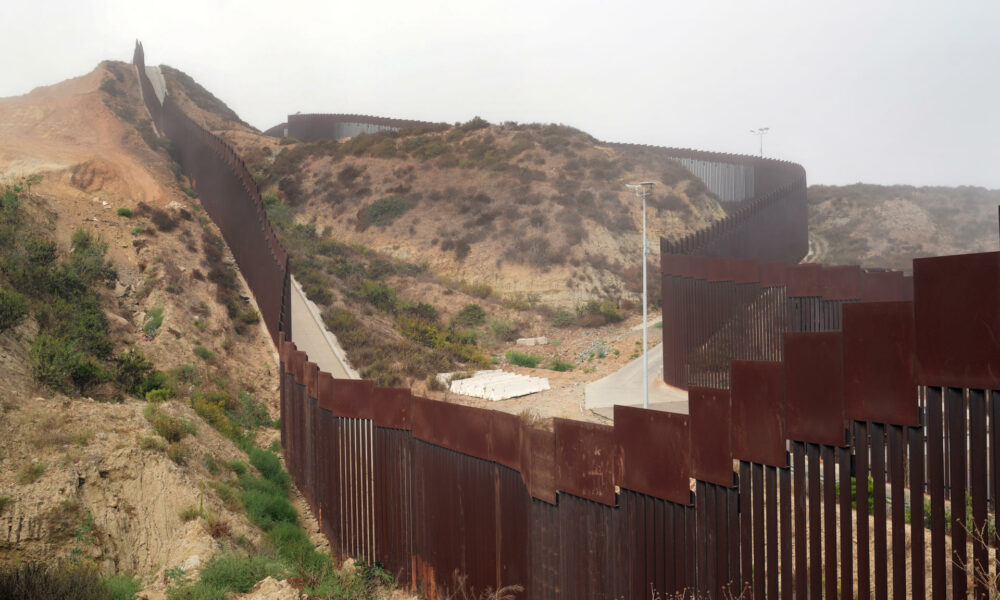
(230, 195)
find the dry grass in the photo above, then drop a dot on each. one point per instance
(460, 590)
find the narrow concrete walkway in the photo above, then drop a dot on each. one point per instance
(159, 84)
(624, 387)
(310, 336)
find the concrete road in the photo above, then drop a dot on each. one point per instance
(310, 336)
(625, 387)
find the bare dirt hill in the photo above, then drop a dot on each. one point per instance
(888, 226)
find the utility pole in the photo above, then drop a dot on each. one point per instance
(760, 132)
(641, 190)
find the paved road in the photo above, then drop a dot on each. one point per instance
(625, 387)
(310, 336)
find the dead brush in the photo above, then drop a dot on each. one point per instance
(461, 590)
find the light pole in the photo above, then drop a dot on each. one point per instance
(641, 189)
(760, 132)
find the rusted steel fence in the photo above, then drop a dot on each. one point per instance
(230, 195)
(854, 467)
(716, 310)
(851, 449)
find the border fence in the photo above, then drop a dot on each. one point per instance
(843, 439)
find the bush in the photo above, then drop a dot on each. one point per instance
(13, 309)
(522, 359)
(203, 352)
(383, 211)
(503, 330)
(124, 212)
(598, 312)
(52, 361)
(169, 428)
(471, 315)
(135, 374)
(380, 296)
(158, 395)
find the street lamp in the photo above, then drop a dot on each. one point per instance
(641, 190)
(759, 132)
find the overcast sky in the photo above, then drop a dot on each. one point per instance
(887, 92)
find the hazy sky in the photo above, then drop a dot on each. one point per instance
(880, 92)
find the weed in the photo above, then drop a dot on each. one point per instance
(155, 320)
(559, 365)
(124, 212)
(178, 452)
(211, 465)
(522, 359)
(237, 466)
(30, 472)
(138, 230)
(56, 581)
(82, 437)
(202, 352)
(5, 501)
(152, 443)
(228, 494)
(190, 513)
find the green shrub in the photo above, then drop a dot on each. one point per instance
(239, 573)
(595, 313)
(13, 309)
(237, 466)
(124, 212)
(203, 352)
(122, 587)
(269, 465)
(158, 395)
(170, 428)
(52, 360)
(135, 374)
(265, 509)
(559, 365)
(380, 296)
(155, 320)
(562, 318)
(137, 229)
(383, 211)
(471, 315)
(522, 359)
(503, 330)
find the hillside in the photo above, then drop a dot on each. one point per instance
(137, 383)
(399, 234)
(888, 226)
